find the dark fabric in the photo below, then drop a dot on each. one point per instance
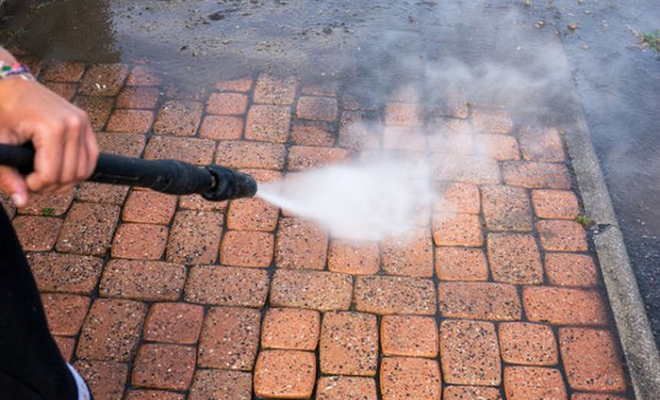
(31, 366)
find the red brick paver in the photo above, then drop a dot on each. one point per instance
(494, 294)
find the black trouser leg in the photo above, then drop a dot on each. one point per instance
(31, 366)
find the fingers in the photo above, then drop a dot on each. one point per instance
(65, 154)
(48, 141)
(12, 183)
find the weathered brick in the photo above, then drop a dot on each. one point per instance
(498, 147)
(460, 264)
(149, 207)
(317, 290)
(252, 214)
(285, 374)
(272, 90)
(395, 295)
(227, 286)
(37, 233)
(559, 204)
(179, 118)
(142, 280)
(506, 208)
(345, 388)
(459, 197)
(65, 71)
(469, 353)
(195, 237)
(47, 204)
(355, 132)
(514, 258)
(402, 114)
(230, 337)
(596, 396)
(247, 249)
(111, 330)
(105, 379)
(317, 108)
(92, 192)
(138, 97)
(98, 109)
(312, 133)
(235, 85)
(457, 230)
(479, 300)
(527, 383)
(591, 360)
(302, 158)
(410, 254)
(220, 127)
(66, 345)
(356, 258)
(409, 336)
(465, 169)
(405, 378)
(563, 306)
(559, 235)
(65, 272)
(164, 366)
(195, 151)
(528, 344)
(471, 392)
(145, 394)
(268, 123)
(290, 328)
(132, 121)
(227, 104)
(565, 269)
(349, 344)
(88, 229)
(140, 241)
(536, 175)
(219, 384)
(174, 323)
(123, 144)
(491, 121)
(143, 76)
(541, 144)
(322, 88)
(65, 313)
(243, 154)
(198, 203)
(300, 245)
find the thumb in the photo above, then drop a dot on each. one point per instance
(12, 183)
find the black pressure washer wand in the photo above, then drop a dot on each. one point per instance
(213, 182)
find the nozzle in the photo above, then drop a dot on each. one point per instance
(230, 184)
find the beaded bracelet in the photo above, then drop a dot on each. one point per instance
(15, 69)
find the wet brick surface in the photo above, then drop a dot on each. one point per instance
(492, 296)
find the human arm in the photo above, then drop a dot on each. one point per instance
(66, 149)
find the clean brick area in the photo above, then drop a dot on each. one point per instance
(494, 295)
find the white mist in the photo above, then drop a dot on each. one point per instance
(361, 201)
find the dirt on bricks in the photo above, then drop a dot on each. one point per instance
(152, 296)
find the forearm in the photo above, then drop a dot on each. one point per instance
(6, 56)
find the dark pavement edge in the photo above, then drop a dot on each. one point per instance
(637, 341)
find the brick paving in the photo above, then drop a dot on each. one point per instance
(154, 296)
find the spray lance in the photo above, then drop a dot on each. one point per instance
(212, 182)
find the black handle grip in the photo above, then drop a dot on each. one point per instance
(167, 176)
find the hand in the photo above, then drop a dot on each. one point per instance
(66, 149)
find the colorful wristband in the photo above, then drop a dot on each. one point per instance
(15, 69)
